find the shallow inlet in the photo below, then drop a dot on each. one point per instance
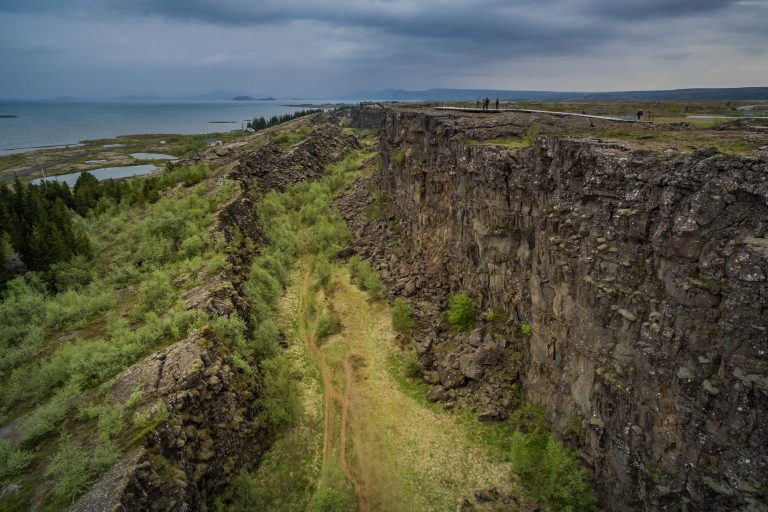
(104, 173)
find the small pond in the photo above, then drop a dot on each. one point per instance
(152, 156)
(105, 173)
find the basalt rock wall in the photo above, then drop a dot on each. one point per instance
(642, 277)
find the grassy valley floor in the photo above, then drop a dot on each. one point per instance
(367, 443)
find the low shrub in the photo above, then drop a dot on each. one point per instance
(230, 330)
(328, 499)
(402, 317)
(49, 416)
(264, 340)
(73, 467)
(322, 272)
(398, 157)
(280, 401)
(365, 277)
(327, 325)
(462, 314)
(155, 294)
(550, 473)
(13, 460)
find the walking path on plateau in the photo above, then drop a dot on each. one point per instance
(392, 451)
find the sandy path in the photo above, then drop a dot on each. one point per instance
(331, 395)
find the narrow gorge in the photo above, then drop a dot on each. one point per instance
(631, 284)
(274, 329)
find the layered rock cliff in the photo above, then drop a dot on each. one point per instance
(642, 278)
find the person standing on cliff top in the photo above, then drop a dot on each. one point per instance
(639, 115)
(497, 103)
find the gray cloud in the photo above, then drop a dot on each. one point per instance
(244, 44)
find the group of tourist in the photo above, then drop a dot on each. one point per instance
(487, 103)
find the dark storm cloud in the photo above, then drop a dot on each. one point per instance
(655, 9)
(380, 43)
(551, 22)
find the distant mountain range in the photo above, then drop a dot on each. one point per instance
(701, 94)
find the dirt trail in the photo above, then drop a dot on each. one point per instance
(397, 453)
(331, 393)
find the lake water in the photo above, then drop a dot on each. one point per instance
(50, 123)
(105, 173)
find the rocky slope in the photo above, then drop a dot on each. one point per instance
(211, 430)
(641, 277)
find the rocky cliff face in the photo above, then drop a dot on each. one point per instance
(642, 277)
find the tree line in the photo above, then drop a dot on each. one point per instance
(260, 123)
(38, 223)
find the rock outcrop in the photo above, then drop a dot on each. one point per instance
(210, 429)
(632, 287)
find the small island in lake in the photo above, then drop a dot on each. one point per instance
(250, 98)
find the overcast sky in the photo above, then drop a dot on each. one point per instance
(311, 48)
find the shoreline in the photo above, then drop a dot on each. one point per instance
(94, 154)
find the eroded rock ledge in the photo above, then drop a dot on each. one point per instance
(642, 277)
(212, 430)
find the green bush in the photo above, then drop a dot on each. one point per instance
(327, 325)
(550, 473)
(194, 245)
(155, 294)
(26, 347)
(12, 460)
(376, 209)
(402, 317)
(328, 499)
(365, 277)
(189, 175)
(462, 314)
(262, 286)
(412, 366)
(280, 401)
(398, 157)
(73, 468)
(525, 329)
(322, 272)
(229, 330)
(49, 416)
(109, 416)
(273, 262)
(264, 341)
(73, 274)
(22, 311)
(73, 307)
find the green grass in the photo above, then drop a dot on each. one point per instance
(682, 140)
(289, 138)
(552, 475)
(524, 141)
